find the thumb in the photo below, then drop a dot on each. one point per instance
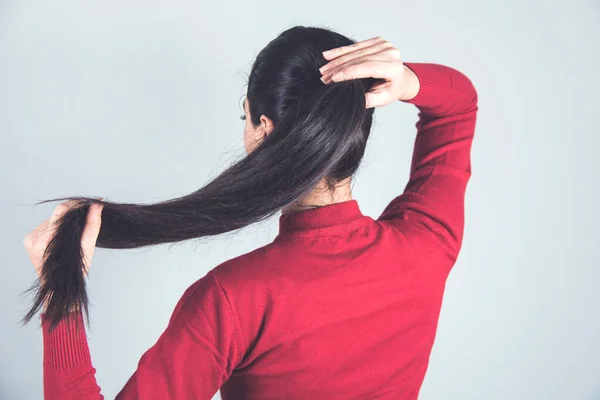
(375, 98)
(90, 232)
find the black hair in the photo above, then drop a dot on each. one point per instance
(320, 133)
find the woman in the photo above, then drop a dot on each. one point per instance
(339, 305)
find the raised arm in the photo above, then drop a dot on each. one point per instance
(431, 209)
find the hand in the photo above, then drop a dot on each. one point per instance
(37, 240)
(372, 58)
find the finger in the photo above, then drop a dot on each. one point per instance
(60, 210)
(359, 70)
(339, 51)
(42, 231)
(378, 56)
(326, 78)
(375, 98)
(91, 231)
(92, 226)
(378, 86)
(364, 52)
(30, 239)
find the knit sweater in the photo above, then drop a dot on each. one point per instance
(338, 306)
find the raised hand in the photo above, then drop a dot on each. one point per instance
(372, 58)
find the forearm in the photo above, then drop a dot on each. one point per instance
(441, 91)
(433, 199)
(447, 101)
(68, 370)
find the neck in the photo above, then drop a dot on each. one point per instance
(320, 196)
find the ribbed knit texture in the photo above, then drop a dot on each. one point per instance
(325, 220)
(338, 306)
(66, 346)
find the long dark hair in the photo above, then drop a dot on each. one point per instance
(320, 133)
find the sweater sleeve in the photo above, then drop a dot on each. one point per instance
(67, 366)
(192, 358)
(431, 208)
(197, 352)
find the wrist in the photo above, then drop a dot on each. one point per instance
(411, 85)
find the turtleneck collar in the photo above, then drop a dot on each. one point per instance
(322, 221)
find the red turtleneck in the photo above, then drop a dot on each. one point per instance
(338, 306)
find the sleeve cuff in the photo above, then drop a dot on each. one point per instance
(66, 345)
(429, 76)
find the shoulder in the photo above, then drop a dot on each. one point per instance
(245, 283)
(250, 268)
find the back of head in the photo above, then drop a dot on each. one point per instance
(285, 85)
(320, 132)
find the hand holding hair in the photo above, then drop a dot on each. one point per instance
(372, 58)
(36, 242)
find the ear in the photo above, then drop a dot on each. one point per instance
(266, 124)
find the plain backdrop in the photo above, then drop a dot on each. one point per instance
(140, 102)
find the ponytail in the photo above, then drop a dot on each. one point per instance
(321, 136)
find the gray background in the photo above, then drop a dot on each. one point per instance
(140, 101)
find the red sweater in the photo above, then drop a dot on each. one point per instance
(338, 306)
